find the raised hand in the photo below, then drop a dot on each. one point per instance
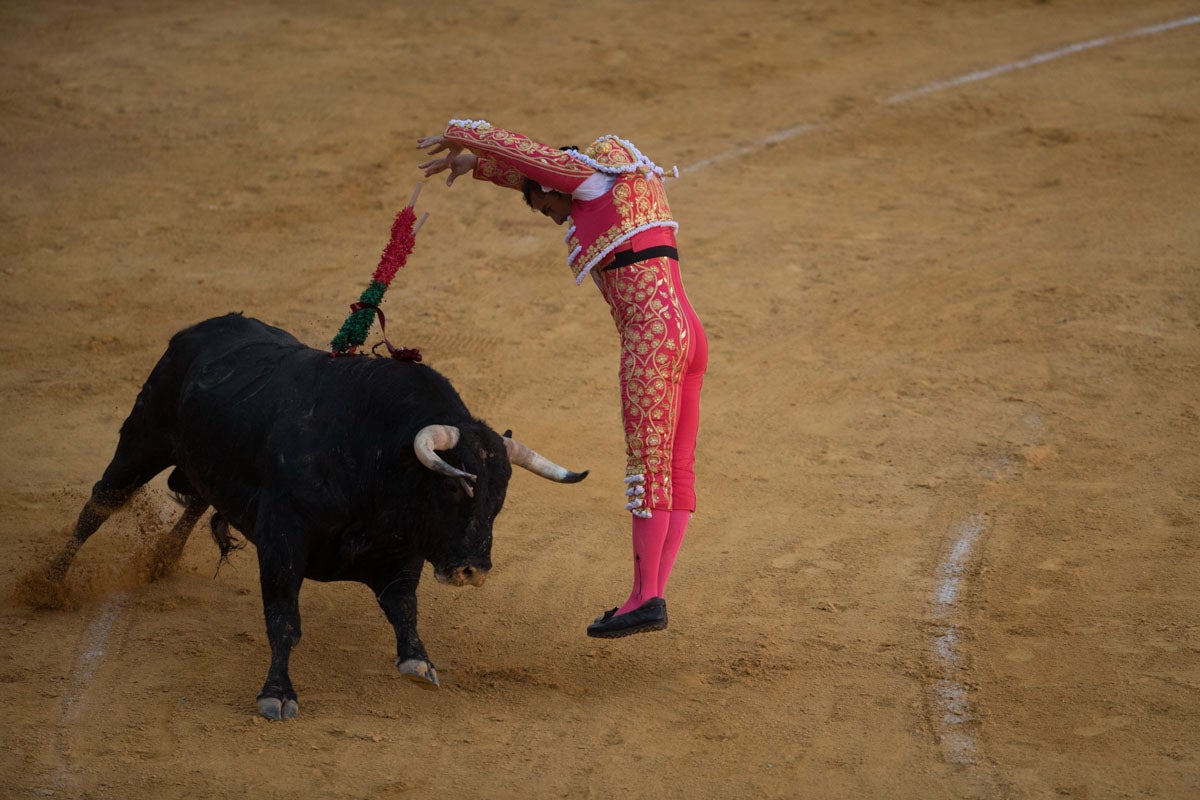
(456, 160)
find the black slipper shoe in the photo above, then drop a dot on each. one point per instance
(649, 616)
(606, 616)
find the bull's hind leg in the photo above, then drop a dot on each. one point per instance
(169, 547)
(397, 596)
(100, 506)
(139, 457)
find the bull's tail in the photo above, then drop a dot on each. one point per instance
(224, 538)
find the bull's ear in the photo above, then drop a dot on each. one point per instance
(508, 434)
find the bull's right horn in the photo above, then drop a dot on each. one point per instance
(522, 456)
(439, 437)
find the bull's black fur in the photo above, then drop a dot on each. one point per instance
(310, 458)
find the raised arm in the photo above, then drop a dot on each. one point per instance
(501, 157)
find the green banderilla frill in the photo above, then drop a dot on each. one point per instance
(356, 327)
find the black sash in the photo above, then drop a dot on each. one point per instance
(626, 257)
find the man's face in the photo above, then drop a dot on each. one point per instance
(555, 205)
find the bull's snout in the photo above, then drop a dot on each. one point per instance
(463, 576)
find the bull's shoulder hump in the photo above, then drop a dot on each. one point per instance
(238, 326)
(231, 330)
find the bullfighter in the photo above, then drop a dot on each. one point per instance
(622, 235)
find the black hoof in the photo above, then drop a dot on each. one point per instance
(649, 616)
(419, 671)
(276, 709)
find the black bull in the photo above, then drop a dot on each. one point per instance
(328, 465)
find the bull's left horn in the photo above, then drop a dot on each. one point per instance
(522, 456)
(438, 437)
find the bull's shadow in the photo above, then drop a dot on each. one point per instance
(349, 468)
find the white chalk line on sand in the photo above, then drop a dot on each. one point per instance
(775, 138)
(89, 660)
(955, 723)
(938, 86)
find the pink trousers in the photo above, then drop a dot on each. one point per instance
(664, 355)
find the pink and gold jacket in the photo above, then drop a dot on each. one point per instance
(638, 202)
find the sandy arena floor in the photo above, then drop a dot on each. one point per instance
(950, 509)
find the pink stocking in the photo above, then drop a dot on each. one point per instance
(675, 531)
(648, 537)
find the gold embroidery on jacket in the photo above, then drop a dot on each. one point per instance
(639, 202)
(492, 169)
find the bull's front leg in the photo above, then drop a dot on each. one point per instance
(280, 572)
(397, 596)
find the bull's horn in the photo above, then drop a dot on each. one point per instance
(522, 456)
(438, 437)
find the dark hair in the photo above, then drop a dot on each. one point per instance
(529, 185)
